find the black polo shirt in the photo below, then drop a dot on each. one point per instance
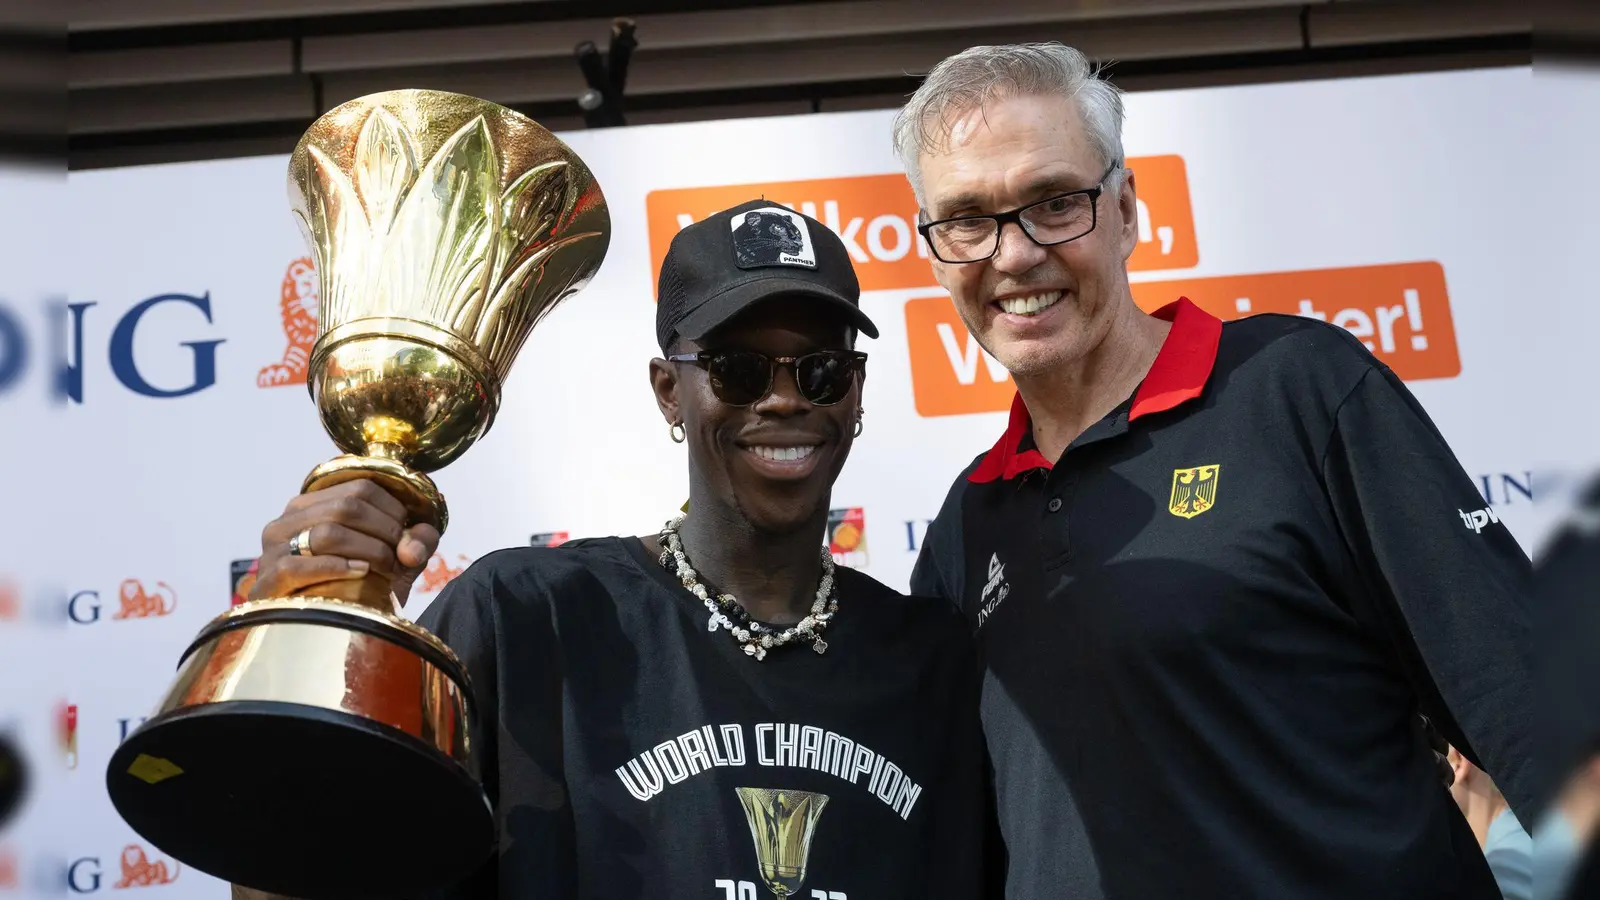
(627, 750)
(1208, 630)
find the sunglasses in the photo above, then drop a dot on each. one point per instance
(743, 377)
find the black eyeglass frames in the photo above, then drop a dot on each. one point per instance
(1053, 220)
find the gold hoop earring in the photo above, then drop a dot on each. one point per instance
(677, 433)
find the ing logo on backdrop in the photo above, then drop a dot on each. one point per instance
(299, 304)
(439, 573)
(134, 602)
(135, 599)
(135, 867)
(10, 601)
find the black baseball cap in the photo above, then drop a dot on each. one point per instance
(724, 264)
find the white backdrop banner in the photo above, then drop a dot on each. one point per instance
(157, 417)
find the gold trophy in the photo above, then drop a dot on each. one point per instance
(782, 824)
(316, 747)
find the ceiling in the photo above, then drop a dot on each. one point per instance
(167, 80)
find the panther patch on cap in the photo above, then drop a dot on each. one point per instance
(772, 236)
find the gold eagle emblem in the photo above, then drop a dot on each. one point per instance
(1193, 491)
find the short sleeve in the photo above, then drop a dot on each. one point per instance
(940, 569)
(1447, 584)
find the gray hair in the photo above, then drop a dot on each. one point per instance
(969, 79)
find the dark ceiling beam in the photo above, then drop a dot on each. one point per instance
(235, 20)
(258, 95)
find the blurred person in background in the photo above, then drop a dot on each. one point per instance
(13, 780)
(1565, 861)
(1216, 570)
(632, 689)
(1506, 846)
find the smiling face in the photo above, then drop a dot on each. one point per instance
(772, 462)
(1033, 308)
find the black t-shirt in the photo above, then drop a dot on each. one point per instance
(615, 733)
(1209, 629)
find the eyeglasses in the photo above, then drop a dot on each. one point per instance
(1053, 220)
(743, 377)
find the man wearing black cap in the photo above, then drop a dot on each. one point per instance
(713, 711)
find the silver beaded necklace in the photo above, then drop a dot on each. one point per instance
(726, 612)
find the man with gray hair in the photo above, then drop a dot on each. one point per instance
(1216, 571)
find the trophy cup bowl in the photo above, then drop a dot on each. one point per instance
(318, 747)
(782, 825)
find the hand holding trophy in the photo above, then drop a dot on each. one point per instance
(319, 747)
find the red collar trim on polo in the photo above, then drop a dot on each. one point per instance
(1179, 374)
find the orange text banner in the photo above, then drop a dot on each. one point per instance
(1401, 312)
(876, 217)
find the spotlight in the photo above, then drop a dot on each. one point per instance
(606, 77)
(621, 53)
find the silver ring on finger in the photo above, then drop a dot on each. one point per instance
(300, 544)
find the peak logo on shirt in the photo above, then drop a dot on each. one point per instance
(1193, 491)
(994, 590)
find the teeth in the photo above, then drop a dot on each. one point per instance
(1029, 306)
(782, 454)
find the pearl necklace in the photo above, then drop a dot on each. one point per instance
(726, 612)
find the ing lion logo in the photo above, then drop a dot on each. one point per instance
(439, 573)
(138, 871)
(1193, 491)
(300, 302)
(133, 602)
(10, 606)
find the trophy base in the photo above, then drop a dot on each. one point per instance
(311, 748)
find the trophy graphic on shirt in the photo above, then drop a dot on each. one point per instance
(782, 824)
(311, 743)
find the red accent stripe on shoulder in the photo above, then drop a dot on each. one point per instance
(1003, 460)
(1183, 366)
